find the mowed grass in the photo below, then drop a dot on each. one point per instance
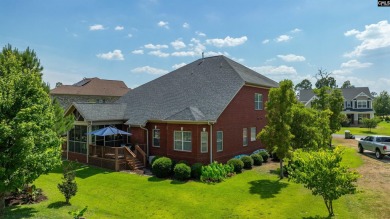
(255, 193)
(383, 128)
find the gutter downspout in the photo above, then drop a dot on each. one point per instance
(211, 142)
(147, 141)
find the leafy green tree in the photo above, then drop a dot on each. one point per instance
(324, 79)
(305, 84)
(276, 135)
(305, 129)
(322, 173)
(382, 104)
(347, 84)
(332, 100)
(68, 187)
(29, 143)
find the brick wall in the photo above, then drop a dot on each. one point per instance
(239, 114)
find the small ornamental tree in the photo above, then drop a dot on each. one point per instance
(370, 123)
(321, 172)
(68, 187)
(276, 135)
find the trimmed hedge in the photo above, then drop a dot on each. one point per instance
(196, 170)
(265, 156)
(154, 159)
(237, 164)
(162, 167)
(257, 159)
(248, 162)
(182, 171)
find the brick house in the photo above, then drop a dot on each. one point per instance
(208, 110)
(357, 103)
(89, 90)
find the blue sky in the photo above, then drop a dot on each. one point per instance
(138, 41)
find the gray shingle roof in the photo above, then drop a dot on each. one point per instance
(199, 91)
(101, 112)
(348, 93)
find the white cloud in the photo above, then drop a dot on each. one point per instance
(119, 28)
(159, 54)
(178, 44)
(283, 38)
(114, 55)
(158, 46)
(138, 52)
(265, 41)
(292, 58)
(149, 70)
(212, 53)
(296, 30)
(200, 34)
(351, 32)
(183, 53)
(96, 27)
(355, 64)
(186, 25)
(275, 70)
(129, 35)
(163, 24)
(375, 36)
(342, 72)
(228, 41)
(175, 66)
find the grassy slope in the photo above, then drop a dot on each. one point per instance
(252, 194)
(383, 128)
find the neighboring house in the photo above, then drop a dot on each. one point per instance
(357, 103)
(208, 110)
(89, 90)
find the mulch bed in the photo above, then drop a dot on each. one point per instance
(23, 198)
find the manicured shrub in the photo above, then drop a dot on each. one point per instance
(162, 167)
(248, 162)
(154, 159)
(196, 170)
(237, 164)
(265, 156)
(182, 171)
(216, 172)
(257, 159)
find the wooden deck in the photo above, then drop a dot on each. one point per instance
(117, 158)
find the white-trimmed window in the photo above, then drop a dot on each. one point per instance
(253, 133)
(156, 137)
(245, 136)
(204, 142)
(219, 140)
(182, 141)
(362, 104)
(258, 101)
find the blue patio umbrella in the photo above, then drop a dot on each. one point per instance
(108, 131)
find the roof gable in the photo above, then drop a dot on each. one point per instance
(98, 112)
(348, 93)
(93, 87)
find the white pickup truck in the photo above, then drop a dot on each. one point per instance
(375, 143)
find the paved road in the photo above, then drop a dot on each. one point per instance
(357, 137)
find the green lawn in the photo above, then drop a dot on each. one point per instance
(253, 194)
(383, 128)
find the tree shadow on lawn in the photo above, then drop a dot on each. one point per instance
(156, 179)
(19, 212)
(317, 217)
(58, 204)
(266, 188)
